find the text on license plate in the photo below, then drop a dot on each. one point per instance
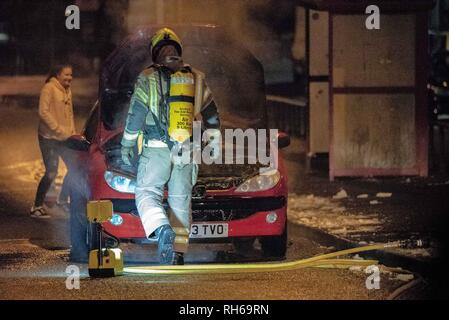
(209, 230)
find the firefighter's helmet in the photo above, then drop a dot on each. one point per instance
(163, 37)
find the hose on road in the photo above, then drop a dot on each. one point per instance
(324, 260)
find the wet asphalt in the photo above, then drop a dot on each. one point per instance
(34, 253)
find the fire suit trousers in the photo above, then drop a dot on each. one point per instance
(156, 169)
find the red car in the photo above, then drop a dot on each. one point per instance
(230, 202)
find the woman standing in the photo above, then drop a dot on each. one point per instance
(55, 126)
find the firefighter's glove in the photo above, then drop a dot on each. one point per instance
(127, 155)
(212, 138)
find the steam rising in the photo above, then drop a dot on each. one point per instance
(258, 24)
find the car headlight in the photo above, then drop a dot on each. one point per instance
(261, 182)
(120, 183)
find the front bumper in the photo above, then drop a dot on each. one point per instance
(246, 217)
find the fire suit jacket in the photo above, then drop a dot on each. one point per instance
(149, 108)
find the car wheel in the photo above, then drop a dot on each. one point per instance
(275, 246)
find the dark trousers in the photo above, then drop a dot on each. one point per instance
(51, 151)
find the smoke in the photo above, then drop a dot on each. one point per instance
(265, 27)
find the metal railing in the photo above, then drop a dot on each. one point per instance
(288, 115)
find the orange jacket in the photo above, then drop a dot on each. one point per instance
(56, 111)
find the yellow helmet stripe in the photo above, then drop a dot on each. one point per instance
(161, 34)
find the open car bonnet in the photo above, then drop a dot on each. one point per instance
(233, 74)
(213, 176)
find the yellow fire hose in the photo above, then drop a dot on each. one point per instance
(106, 262)
(324, 260)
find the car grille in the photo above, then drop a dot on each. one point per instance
(220, 215)
(215, 209)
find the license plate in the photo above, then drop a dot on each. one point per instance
(209, 230)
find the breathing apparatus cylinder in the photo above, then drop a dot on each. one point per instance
(181, 102)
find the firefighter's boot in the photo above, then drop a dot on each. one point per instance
(178, 258)
(165, 245)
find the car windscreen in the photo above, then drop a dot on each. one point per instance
(233, 74)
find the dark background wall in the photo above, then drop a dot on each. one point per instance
(37, 36)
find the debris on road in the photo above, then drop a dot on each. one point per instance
(438, 184)
(333, 218)
(356, 269)
(384, 194)
(421, 253)
(330, 216)
(340, 195)
(404, 277)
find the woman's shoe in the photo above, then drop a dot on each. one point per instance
(39, 212)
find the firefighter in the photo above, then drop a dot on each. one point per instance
(166, 98)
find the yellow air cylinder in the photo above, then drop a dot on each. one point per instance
(181, 100)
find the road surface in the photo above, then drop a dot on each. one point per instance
(34, 253)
